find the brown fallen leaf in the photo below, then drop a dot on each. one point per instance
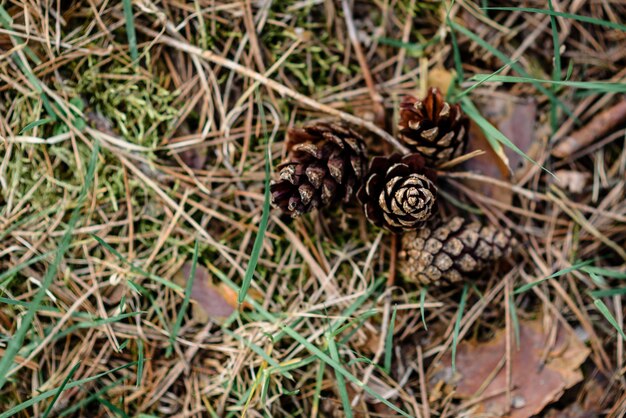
(209, 301)
(481, 374)
(515, 118)
(488, 164)
(440, 78)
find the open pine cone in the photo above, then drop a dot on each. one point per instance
(454, 251)
(326, 164)
(433, 127)
(399, 193)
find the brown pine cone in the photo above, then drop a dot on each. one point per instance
(453, 251)
(433, 127)
(399, 193)
(326, 164)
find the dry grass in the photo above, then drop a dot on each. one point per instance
(182, 134)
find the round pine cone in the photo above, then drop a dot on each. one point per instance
(453, 251)
(325, 165)
(433, 127)
(399, 193)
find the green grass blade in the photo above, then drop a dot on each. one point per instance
(528, 286)
(604, 310)
(36, 123)
(596, 86)
(255, 347)
(130, 30)
(258, 240)
(30, 402)
(605, 272)
(457, 326)
(515, 320)
(556, 73)
(423, 292)
(140, 360)
(18, 338)
(341, 383)
(608, 292)
(80, 404)
(494, 136)
(136, 269)
(61, 389)
(572, 16)
(389, 341)
(319, 380)
(183, 306)
(322, 356)
(505, 59)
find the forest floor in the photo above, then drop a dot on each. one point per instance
(137, 141)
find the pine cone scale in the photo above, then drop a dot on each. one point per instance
(325, 162)
(452, 251)
(433, 127)
(400, 192)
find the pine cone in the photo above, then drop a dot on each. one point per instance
(326, 164)
(433, 127)
(399, 193)
(453, 251)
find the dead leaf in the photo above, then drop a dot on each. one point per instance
(515, 118)
(440, 78)
(535, 383)
(488, 164)
(209, 301)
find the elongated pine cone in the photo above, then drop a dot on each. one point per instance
(399, 193)
(454, 251)
(326, 165)
(433, 127)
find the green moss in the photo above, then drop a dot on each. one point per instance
(140, 108)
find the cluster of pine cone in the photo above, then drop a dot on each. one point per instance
(327, 164)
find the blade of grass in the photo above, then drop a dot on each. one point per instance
(7, 22)
(80, 404)
(596, 86)
(457, 325)
(341, 383)
(258, 240)
(608, 292)
(61, 389)
(140, 360)
(605, 272)
(580, 18)
(389, 341)
(556, 73)
(514, 319)
(423, 292)
(44, 395)
(18, 338)
(183, 306)
(319, 379)
(494, 136)
(528, 286)
(130, 30)
(322, 356)
(604, 310)
(505, 59)
(136, 269)
(255, 347)
(36, 123)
